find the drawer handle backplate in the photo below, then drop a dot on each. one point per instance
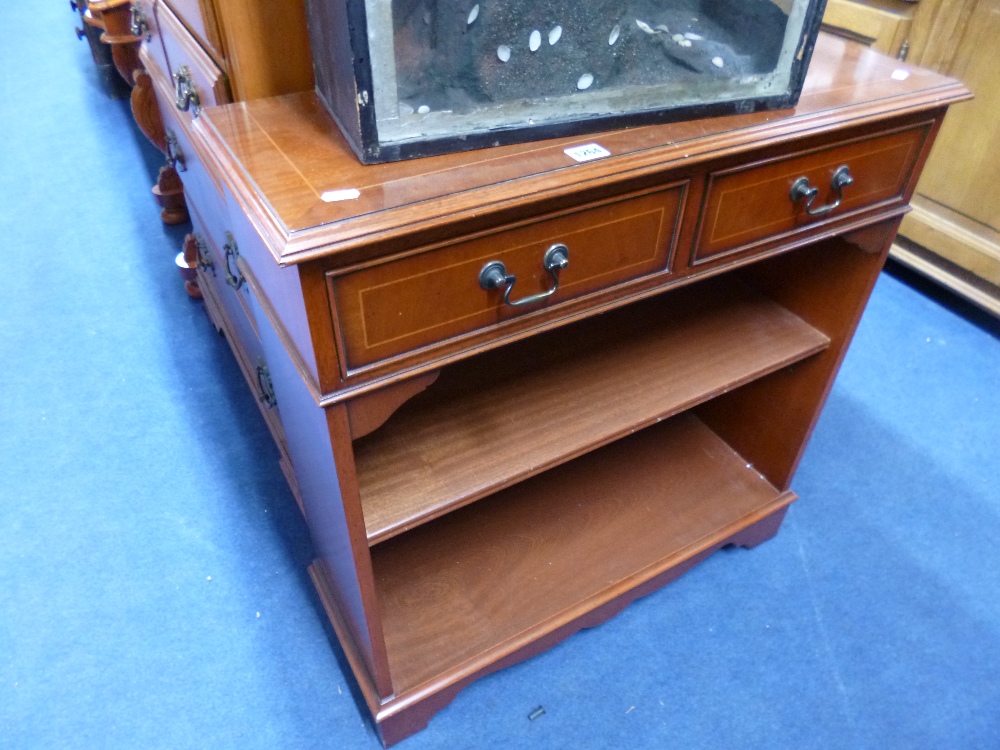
(494, 276)
(202, 257)
(175, 155)
(265, 385)
(186, 95)
(235, 280)
(802, 189)
(138, 24)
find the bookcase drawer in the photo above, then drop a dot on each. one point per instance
(437, 294)
(753, 204)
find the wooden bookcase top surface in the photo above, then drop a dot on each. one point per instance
(282, 155)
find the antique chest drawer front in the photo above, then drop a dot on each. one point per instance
(219, 270)
(751, 205)
(196, 80)
(427, 298)
(202, 187)
(146, 21)
(199, 16)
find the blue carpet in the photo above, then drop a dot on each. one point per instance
(153, 590)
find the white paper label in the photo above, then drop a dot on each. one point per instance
(332, 196)
(587, 152)
(900, 74)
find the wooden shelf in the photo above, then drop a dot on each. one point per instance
(499, 419)
(472, 586)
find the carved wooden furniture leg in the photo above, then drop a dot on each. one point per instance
(146, 111)
(119, 34)
(92, 29)
(169, 193)
(168, 190)
(126, 58)
(187, 263)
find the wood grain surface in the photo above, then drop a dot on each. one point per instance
(182, 50)
(510, 416)
(290, 152)
(516, 564)
(609, 243)
(200, 18)
(751, 203)
(267, 47)
(199, 175)
(153, 46)
(548, 476)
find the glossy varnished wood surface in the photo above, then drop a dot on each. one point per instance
(287, 152)
(608, 244)
(199, 16)
(183, 51)
(828, 285)
(500, 420)
(751, 203)
(513, 566)
(547, 477)
(267, 47)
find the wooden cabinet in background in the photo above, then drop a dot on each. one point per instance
(883, 25)
(198, 53)
(953, 233)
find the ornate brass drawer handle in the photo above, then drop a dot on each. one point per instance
(802, 189)
(138, 25)
(494, 276)
(175, 155)
(186, 95)
(204, 259)
(235, 280)
(267, 396)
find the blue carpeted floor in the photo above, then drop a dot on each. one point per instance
(153, 591)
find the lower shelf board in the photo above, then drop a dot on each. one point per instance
(471, 588)
(500, 418)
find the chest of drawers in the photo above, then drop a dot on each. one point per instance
(519, 391)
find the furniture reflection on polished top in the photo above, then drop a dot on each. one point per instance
(490, 458)
(199, 53)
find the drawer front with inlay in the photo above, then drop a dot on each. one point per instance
(197, 81)
(751, 205)
(432, 296)
(199, 16)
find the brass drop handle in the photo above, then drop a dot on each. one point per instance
(196, 251)
(265, 385)
(802, 189)
(175, 155)
(137, 23)
(185, 94)
(235, 280)
(494, 276)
